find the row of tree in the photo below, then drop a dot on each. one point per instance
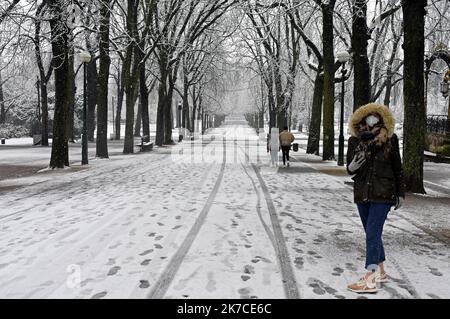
(289, 41)
(171, 46)
(186, 50)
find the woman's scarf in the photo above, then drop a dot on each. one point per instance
(370, 139)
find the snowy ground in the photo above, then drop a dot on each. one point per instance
(206, 219)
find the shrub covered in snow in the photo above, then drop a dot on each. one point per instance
(13, 131)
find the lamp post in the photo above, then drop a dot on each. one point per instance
(342, 57)
(85, 58)
(180, 121)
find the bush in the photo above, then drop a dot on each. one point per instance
(13, 131)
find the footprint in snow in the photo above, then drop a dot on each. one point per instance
(146, 262)
(113, 271)
(435, 272)
(99, 295)
(249, 269)
(146, 252)
(144, 284)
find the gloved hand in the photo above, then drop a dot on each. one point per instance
(399, 203)
(357, 162)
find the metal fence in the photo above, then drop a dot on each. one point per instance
(438, 124)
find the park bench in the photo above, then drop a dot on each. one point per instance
(145, 146)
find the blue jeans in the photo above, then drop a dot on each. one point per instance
(373, 217)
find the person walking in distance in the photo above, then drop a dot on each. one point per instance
(274, 146)
(286, 139)
(373, 158)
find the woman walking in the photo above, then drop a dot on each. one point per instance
(373, 157)
(286, 139)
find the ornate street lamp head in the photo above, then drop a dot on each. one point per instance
(85, 57)
(343, 57)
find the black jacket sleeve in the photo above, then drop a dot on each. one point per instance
(352, 144)
(397, 167)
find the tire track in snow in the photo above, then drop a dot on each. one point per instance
(277, 238)
(61, 187)
(287, 273)
(63, 253)
(164, 281)
(258, 209)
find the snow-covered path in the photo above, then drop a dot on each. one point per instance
(207, 219)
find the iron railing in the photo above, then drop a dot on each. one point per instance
(438, 124)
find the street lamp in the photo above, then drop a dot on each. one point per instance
(180, 122)
(85, 58)
(343, 57)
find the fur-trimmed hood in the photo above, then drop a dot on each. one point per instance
(364, 111)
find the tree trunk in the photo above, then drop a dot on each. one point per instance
(168, 117)
(194, 109)
(316, 117)
(138, 125)
(130, 72)
(280, 100)
(91, 96)
(59, 41)
(44, 113)
(129, 136)
(328, 91)
(261, 119)
(389, 73)
(162, 91)
(103, 80)
(71, 97)
(2, 102)
(413, 90)
(131, 92)
(360, 36)
(43, 78)
(118, 119)
(185, 118)
(272, 107)
(144, 92)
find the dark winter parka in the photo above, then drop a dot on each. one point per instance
(380, 178)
